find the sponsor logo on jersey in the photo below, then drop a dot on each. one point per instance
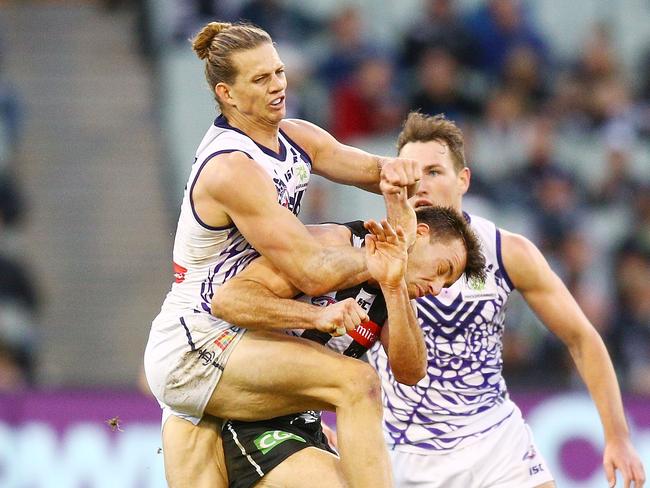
(473, 290)
(179, 273)
(271, 438)
(365, 299)
(477, 284)
(366, 333)
(303, 175)
(536, 469)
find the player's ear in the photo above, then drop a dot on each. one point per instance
(422, 229)
(223, 93)
(464, 177)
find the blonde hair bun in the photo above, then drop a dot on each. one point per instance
(201, 43)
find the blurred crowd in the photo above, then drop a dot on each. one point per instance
(19, 298)
(492, 70)
(558, 148)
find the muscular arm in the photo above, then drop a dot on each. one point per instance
(553, 304)
(349, 165)
(234, 189)
(261, 297)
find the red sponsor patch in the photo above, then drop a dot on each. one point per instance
(179, 273)
(366, 333)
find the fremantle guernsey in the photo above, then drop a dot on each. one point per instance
(205, 256)
(463, 395)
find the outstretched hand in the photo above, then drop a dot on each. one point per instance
(386, 252)
(620, 455)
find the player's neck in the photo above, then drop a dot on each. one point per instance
(262, 132)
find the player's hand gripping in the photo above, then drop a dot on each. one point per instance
(398, 173)
(386, 253)
(619, 454)
(340, 317)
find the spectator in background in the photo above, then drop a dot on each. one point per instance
(367, 104)
(347, 48)
(499, 140)
(12, 206)
(285, 23)
(632, 274)
(10, 118)
(12, 374)
(595, 94)
(191, 15)
(557, 208)
(618, 187)
(499, 27)
(439, 88)
(18, 309)
(521, 184)
(439, 26)
(598, 59)
(522, 73)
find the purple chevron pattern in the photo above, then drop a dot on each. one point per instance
(458, 398)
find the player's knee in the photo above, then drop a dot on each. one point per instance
(362, 384)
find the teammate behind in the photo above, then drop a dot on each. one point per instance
(458, 427)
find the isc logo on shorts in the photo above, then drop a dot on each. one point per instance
(271, 438)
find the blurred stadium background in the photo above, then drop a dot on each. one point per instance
(102, 104)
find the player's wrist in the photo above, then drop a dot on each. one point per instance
(394, 287)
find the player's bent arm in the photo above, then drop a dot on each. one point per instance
(402, 337)
(261, 297)
(258, 298)
(240, 188)
(346, 164)
(553, 304)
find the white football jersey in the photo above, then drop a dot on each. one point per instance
(205, 256)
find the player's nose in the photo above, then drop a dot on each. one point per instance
(435, 287)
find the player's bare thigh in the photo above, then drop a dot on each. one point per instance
(271, 374)
(193, 454)
(309, 468)
(549, 484)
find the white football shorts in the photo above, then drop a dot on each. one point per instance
(184, 360)
(506, 457)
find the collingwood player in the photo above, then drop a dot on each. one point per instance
(277, 452)
(457, 427)
(242, 197)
